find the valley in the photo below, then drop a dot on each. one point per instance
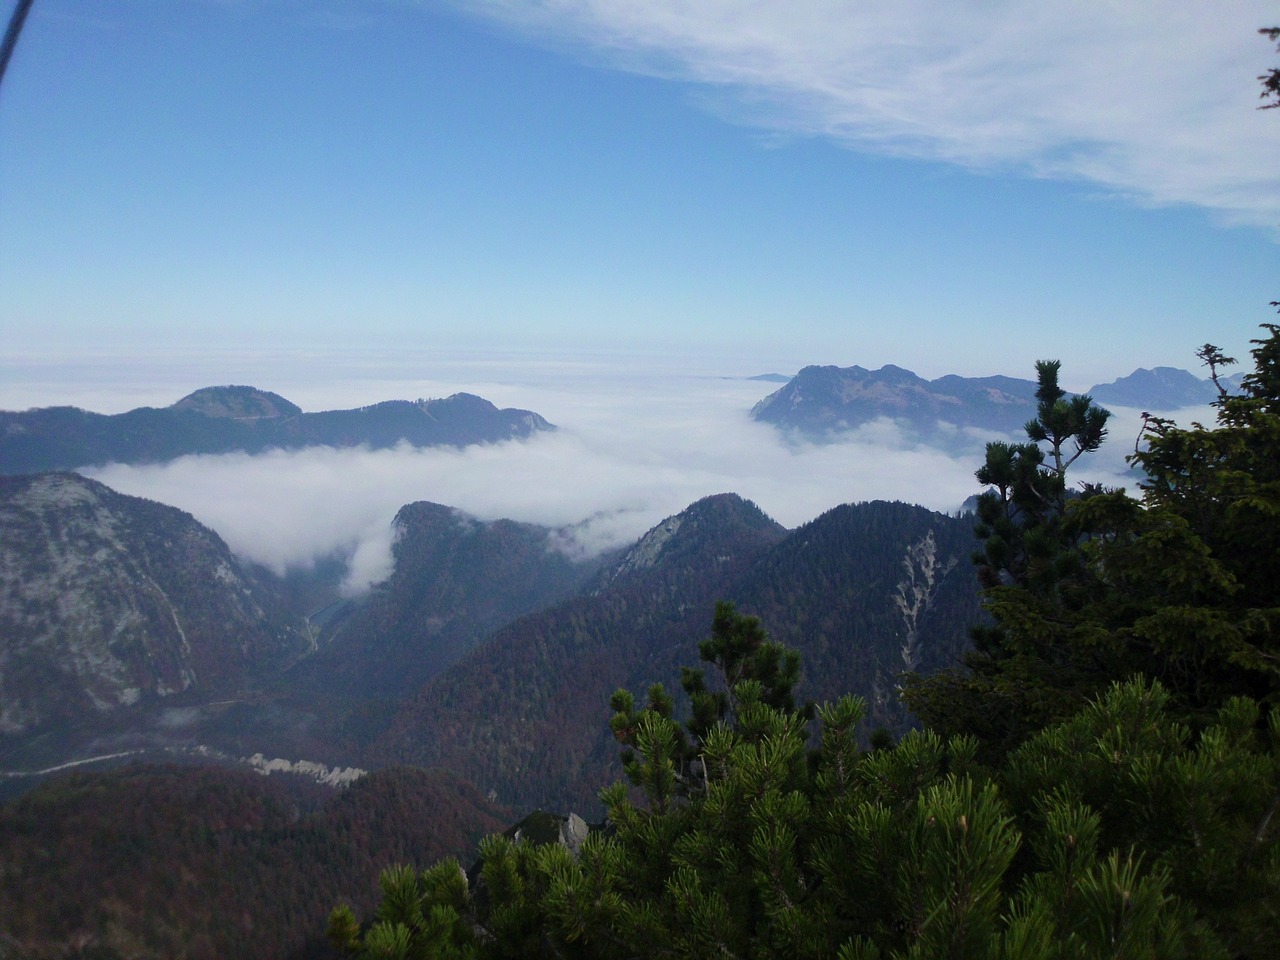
(137, 646)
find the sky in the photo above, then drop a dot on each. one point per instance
(599, 211)
(950, 187)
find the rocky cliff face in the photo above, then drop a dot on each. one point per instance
(107, 601)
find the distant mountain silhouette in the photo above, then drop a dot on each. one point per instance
(953, 412)
(820, 403)
(245, 419)
(1162, 388)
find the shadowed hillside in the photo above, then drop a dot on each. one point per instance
(863, 592)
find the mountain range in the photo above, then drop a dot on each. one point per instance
(1162, 388)
(245, 419)
(488, 656)
(864, 592)
(478, 673)
(958, 413)
(127, 624)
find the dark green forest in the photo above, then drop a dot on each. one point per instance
(526, 714)
(1100, 778)
(175, 862)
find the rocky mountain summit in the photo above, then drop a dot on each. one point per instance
(245, 419)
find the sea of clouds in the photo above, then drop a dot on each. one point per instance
(638, 440)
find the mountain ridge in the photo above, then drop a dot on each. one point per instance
(821, 403)
(245, 419)
(1161, 388)
(526, 713)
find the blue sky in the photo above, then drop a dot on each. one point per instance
(948, 187)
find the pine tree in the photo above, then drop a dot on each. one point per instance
(1020, 515)
(1022, 673)
(1176, 586)
(1120, 832)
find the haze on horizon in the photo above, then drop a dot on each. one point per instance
(947, 188)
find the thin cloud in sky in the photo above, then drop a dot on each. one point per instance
(1152, 101)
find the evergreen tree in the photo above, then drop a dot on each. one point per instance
(1020, 515)
(1119, 833)
(1021, 674)
(1176, 586)
(1271, 79)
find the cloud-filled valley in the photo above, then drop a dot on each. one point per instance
(633, 446)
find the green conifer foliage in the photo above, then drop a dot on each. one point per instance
(420, 917)
(1121, 832)
(1178, 586)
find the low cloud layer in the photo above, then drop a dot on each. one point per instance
(630, 452)
(1156, 102)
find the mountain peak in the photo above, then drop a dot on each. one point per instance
(821, 402)
(238, 403)
(720, 518)
(1161, 388)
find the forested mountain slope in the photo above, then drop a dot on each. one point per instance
(184, 863)
(864, 592)
(524, 714)
(456, 580)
